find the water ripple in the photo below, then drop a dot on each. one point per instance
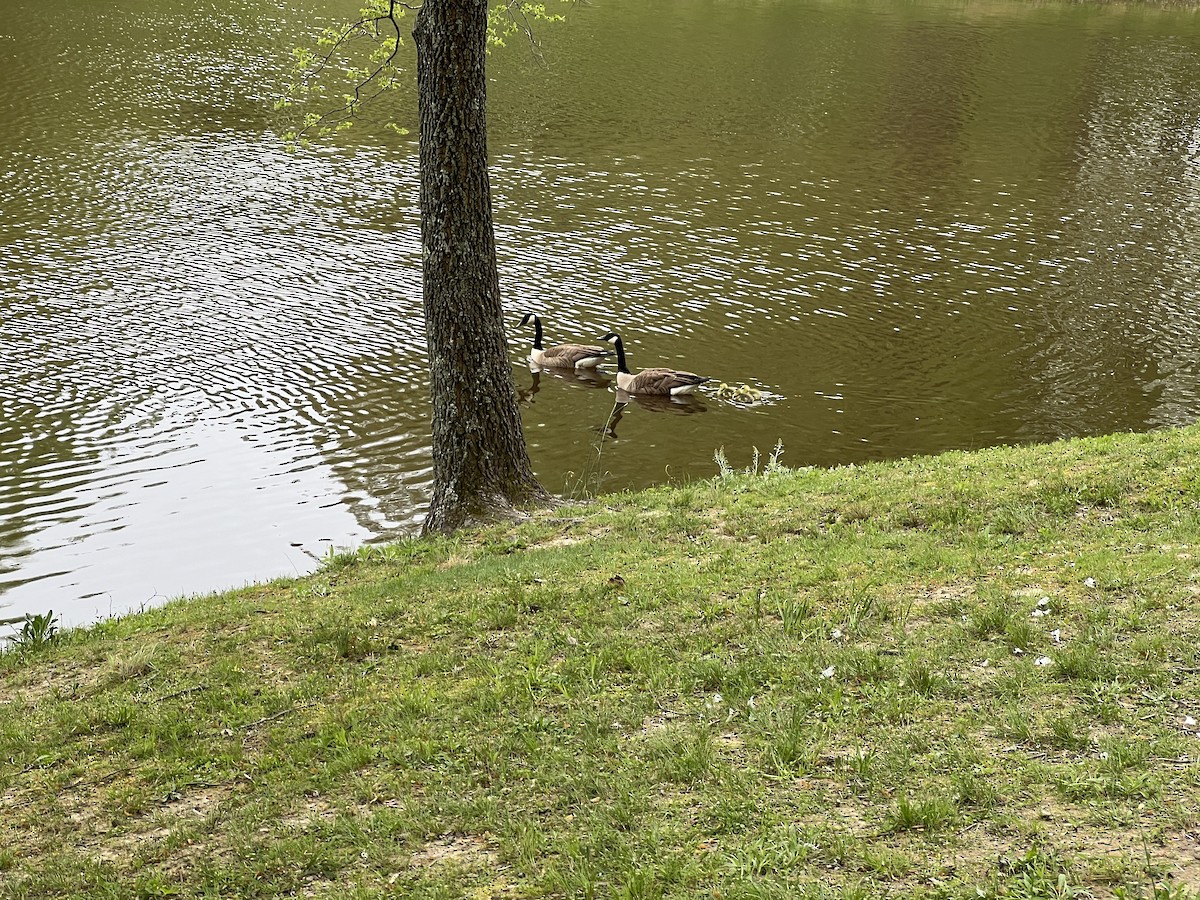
(212, 354)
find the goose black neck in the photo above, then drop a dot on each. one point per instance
(621, 367)
(537, 333)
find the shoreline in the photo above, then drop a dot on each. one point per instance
(962, 675)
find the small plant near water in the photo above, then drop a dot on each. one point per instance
(772, 467)
(405, 551)
(38, 632)
(590, 480)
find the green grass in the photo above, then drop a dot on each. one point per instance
(962, 676)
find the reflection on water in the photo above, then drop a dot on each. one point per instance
(153, 519)
(922, 227)
(579, 378)
(683, 405)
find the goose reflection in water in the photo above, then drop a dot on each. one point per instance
(682, 405)
(580, 378)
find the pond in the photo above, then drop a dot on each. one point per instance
(917, 225)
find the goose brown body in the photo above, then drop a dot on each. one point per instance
(562, 356)
(652, 381)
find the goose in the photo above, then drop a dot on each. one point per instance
(562, 356)
(652, 381)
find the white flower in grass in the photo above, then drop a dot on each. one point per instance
(828, 673)
(1056, 634)
(1043, 603)
(1038, 613)
(836, 634)
(1017, 651)
(1043, 661)
(1189, 721)
(1089, 582)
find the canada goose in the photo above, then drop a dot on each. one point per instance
(563, 356)
(652, 381)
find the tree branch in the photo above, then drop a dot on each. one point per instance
(369, 28)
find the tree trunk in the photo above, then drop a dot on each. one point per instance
(481, 466)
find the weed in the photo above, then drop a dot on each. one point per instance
(1149, 886)
(922, 679)
(930, 814)
(1012, 520)
(991, 620)
(1037, 875)
(137, 663)
(1084, 661)
(861, 607)
(38, 632)
(794, 745)
(1023, 634)
(350, 642)
(794, 613)
(1155, 890)
(773, 466)
(973, 791)
(1069, 732)
(685, 760)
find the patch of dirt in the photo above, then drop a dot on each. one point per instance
(313, 811)
(1177, 860)
(40, 681)
(940, 593)
(464, 850)
(562, 540)
(841, 815)
(729, 740)
(1103, 516)
(661, 722)
(1181, 854)
(1067, 830)
(118, 843)
(920, 609)
(1034, 591)
(199, 802)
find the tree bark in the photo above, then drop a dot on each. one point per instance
(481, 466)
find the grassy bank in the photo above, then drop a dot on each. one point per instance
(971, 675)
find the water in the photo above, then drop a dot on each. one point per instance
(920, 226)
